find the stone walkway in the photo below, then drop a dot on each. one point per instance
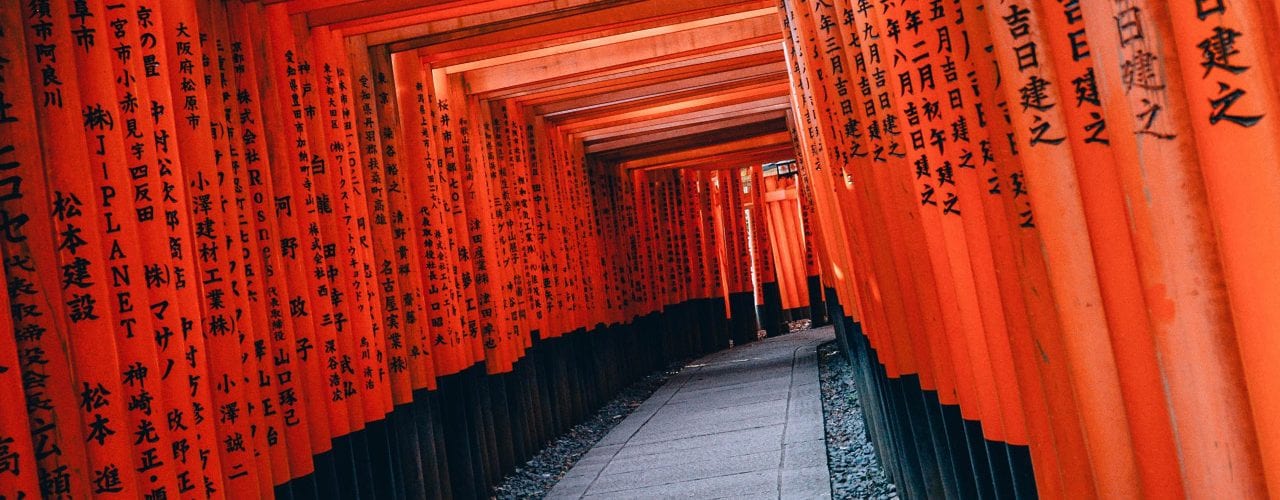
(742, 423)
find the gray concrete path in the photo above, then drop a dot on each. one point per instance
(742, 423)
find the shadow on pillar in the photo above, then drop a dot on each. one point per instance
(817, 304)
(771, 317)
(742, 317)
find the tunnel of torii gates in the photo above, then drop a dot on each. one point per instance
(389, 248)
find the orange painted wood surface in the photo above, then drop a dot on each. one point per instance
(243, 239)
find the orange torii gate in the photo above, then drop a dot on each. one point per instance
(385, 248)
(1052, 102)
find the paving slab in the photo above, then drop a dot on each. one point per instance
(741, 423)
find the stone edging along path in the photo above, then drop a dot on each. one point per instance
(855, 470)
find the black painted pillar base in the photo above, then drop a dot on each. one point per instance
(283, 491)
(771, 314)
(345, 466)
(457, 436)
(382, 473)
(742, 317)
(1024, 477)
(403, 421)
(958, 447)
(795, 314)
(323, 479)
(724, 324)
(817, 304)
(834, 310)
(461, 439)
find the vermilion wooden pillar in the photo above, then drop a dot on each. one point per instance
(833, 173)
(123, 154)
(1044, 384)
(1180, 264)
(54, 440)
(444, 120)
(1229, 73)
(212, 272)
(740, 300)
(79, 242)
(839, 266)
(248, 321)
(336, 224)
(21, 475)
(175, 302)
(781, 215)
(1135, 363)
(771, 295)
(279, 377)
(1028, 433)
(304, 243)
(711, 253)
(813, 275)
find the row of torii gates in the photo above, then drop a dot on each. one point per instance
(390, 248)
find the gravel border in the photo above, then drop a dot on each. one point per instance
(536, 477)
(855, 470)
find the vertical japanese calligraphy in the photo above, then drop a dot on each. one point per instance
(306, 248)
